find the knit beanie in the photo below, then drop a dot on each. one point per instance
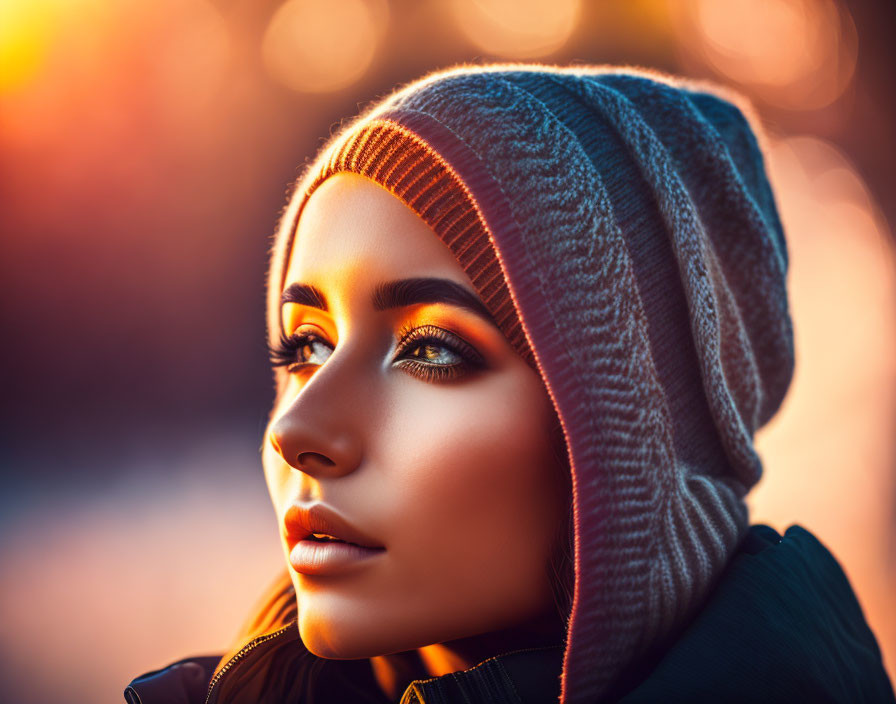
(620, 226)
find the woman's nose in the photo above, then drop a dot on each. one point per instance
(314, 432)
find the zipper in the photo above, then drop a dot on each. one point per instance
(241, 654)
(410, 696)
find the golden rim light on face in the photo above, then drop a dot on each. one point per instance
(437, 339)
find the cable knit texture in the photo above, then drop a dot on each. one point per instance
(636, 234)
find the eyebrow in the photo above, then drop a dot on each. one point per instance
(399, 294)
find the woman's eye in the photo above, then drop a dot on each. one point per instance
(434, 354)
(299, 350)
(428, 352)
(313, 351)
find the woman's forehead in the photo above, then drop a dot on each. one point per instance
(354, 234)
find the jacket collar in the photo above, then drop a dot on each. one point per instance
(529, 676)
(781, 624)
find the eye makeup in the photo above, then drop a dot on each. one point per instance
(433, 353)
(428, 352)
(300, 349)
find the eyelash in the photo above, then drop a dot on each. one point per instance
(283, 353)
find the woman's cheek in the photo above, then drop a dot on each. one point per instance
(470, 475)
(454, 481)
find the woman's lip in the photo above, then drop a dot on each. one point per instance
(325, 558)
(301, 520)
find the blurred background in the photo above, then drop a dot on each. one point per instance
(146, 147)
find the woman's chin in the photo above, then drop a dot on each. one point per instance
(334, 637)
(330, 639)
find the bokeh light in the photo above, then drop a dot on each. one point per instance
(24, 40)
(517, 29)
(318, 46)
(795, 54)
(192, 64)
(829, 454)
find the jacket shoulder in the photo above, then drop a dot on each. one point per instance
(182, 682)
(782, 624)
(186, 681)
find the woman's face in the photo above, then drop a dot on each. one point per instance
(406, 412)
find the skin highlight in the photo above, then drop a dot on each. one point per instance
(421, 426)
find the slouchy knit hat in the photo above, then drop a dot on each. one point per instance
(620, 226)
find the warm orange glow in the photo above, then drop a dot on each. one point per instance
(24, 40)
(317, 46)
(55, 67)
(196, 55)
(829, 453)
(211, 544)
(517, 28)
(797, 54)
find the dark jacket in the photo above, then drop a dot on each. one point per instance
(781, 625)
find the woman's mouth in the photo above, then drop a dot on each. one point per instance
(321, 542)
(324, 555)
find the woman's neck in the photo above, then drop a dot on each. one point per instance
(395, 672)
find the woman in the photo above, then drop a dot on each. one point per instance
(525, 322)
